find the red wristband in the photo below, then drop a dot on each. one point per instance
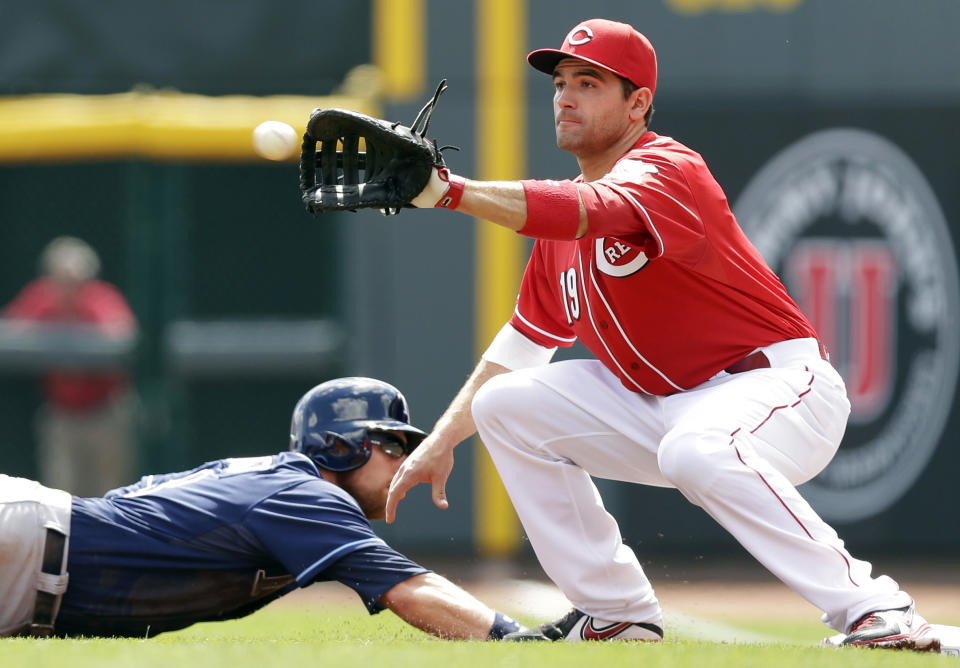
(553, 210)
(450, 199)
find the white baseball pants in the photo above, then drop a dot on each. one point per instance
(27, 510)
(736, 446)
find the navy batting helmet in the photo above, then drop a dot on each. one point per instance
(331, 422)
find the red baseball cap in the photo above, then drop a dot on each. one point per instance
(616, 47)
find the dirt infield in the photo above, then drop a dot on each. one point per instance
(738, 588)
(720, 590)
(733, 600)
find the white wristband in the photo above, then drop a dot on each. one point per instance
(513, 350)
(431, 194)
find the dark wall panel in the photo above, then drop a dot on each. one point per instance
(216, 48)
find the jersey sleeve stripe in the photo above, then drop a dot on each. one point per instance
(675, 201)
(650, 226)
(633, 348)
(529, 324)
(306, 576)
(659, 141)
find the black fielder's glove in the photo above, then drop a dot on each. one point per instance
(395, 166)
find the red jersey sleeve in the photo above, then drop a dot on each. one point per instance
(34, 302)
(539, 314)
(104, 306)
(646, 199)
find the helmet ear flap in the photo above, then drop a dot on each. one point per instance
(338, 446)
(339, 452)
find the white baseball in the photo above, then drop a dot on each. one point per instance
(275, 140)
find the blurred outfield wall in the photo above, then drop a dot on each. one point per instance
(152, 165)
(739, 82)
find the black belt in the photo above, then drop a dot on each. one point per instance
(44, 612)
(756, 360)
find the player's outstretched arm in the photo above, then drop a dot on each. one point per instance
(433, 604)
(432, 461)
(501, 202)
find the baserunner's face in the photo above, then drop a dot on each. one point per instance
(589, 109)
(369, 484)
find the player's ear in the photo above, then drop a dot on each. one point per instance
(642, 99)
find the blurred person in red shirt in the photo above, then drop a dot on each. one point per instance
(86, 427)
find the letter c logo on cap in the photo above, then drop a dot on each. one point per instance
(579, 35)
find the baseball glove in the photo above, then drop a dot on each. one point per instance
(395, 167)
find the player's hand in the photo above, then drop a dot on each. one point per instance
(431, 462)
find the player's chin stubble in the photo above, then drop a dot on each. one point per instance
(373, 503)
(565, 142)
(576, 142)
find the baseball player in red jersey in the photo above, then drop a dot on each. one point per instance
(707, 376)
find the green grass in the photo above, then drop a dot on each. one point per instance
(306, 635)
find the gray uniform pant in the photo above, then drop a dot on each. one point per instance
(34, 540)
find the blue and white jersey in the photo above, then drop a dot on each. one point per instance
(217, 542)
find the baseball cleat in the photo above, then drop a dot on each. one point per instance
(901, 628)
(577, 626)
